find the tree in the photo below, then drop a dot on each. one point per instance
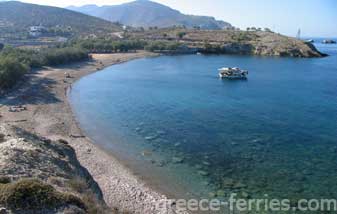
(180, 35)
(267, 29)
(1, 46)
(248, 28)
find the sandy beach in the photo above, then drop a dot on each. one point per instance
(47, 113)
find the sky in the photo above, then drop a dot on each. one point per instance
(315, 18)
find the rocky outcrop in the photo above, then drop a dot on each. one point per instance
(46, 174)
(260, 43)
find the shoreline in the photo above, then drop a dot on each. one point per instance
(49, 114)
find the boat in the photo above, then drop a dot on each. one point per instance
(310, 41)
(232, 73)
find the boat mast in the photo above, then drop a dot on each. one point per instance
(298, 36)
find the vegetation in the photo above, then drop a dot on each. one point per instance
(82, 187)
(1, 46)
(30, 194)
(11, 70)
(16, 18)
(15, 62)
(181, 35)
(109, 45)
(162, 46)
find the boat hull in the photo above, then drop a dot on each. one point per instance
(232, 77)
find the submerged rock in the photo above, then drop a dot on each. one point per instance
(221, 193)
(228, 182)
(212, 194)
(239, 185)
(206, 163)
(177, 160)
(161, 132)
(203, 173)
(177, 144)
(198, 166)
(205, 183)
(150, 138)
(146, 153)
(245, 195)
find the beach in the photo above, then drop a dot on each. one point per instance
(45, 111)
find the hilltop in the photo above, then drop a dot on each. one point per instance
(145, 13)
(263, 43)
(17, 17)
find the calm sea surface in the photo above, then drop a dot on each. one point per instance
(172, 118)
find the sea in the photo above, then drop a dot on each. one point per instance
(190, 134)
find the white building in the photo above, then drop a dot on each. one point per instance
(36, 31)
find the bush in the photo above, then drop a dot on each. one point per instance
(162, 46)
(4, 180)
(15, 62)
(32, 194)
(110, 46)
(11, 70)
(59, 56)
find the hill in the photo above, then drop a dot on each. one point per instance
(17, 17)
(145, 13)
(263, 43)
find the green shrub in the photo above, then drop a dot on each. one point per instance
(109, 45)
(11, 70)
(30, 194)
(59, 56)
(4, 180)
(15, 62)
(79, 185)
(162, 46)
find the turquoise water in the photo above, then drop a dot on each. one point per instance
(274, 133)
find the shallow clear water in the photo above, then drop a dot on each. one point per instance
(275, 133)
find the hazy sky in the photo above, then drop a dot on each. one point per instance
(313, 17)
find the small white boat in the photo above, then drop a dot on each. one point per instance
(233, 73)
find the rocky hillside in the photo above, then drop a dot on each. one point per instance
(145, 13)
(42, 176)
(232, 42)
(16, 17)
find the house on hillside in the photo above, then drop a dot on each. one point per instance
(36, 31)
